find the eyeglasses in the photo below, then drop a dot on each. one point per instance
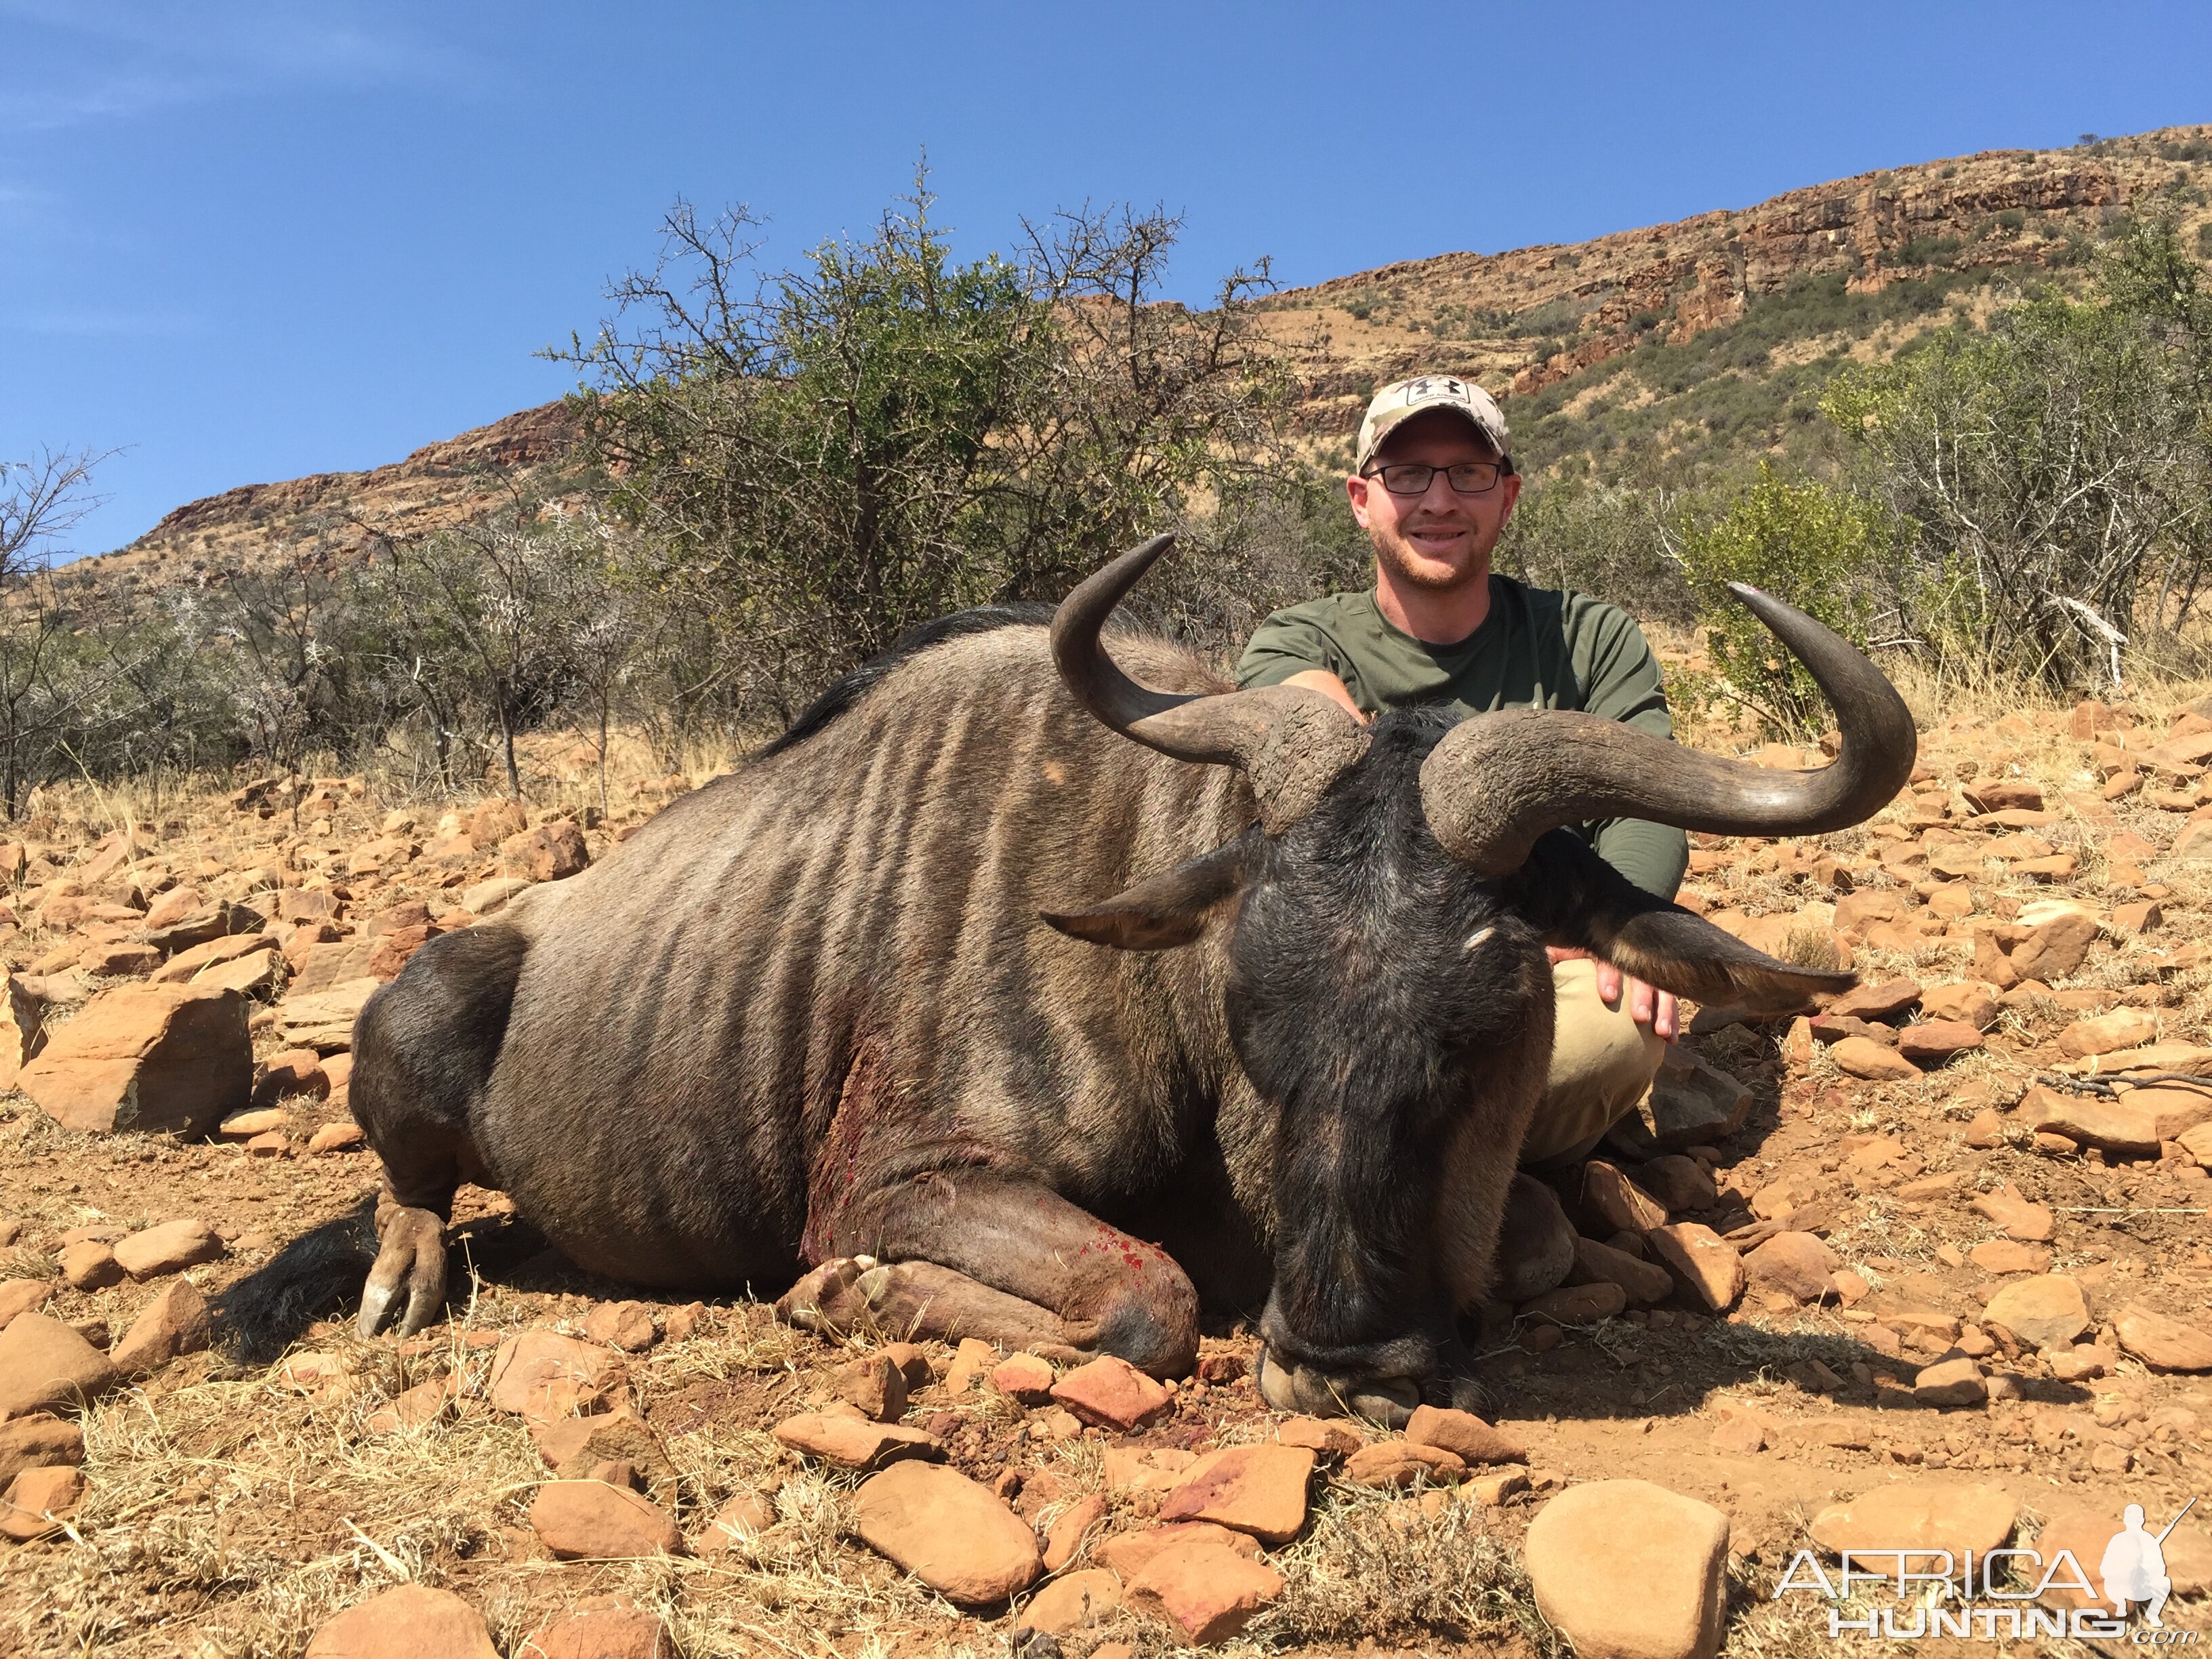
(1413, 479)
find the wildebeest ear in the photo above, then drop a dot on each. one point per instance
(1169, 909)
(1578, 899)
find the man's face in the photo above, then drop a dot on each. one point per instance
(1440, 539)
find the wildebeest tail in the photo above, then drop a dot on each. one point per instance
(266, 1311)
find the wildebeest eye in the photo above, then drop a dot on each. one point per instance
(1478, 936)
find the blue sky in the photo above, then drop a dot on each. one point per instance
(242, 242)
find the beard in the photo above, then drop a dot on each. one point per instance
(1413, 569)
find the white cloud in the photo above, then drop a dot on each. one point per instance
(82, 63)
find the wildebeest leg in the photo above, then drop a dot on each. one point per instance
(975, 1253)
(423, 1050)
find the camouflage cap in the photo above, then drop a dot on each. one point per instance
(1400, 401)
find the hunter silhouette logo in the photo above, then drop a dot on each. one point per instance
(2134, 1567)
(1940, 1595)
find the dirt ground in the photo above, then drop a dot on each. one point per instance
(233, 1508)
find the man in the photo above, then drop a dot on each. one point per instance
(1434, 484)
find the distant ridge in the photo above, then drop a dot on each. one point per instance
(1695, 343)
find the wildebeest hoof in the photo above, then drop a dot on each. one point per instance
(825, 1300)
(1387, 1401)
(1535, 1243)
(410, 1256)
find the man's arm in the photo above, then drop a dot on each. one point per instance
(1320, 680)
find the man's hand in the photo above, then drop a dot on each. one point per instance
(1647, 1004)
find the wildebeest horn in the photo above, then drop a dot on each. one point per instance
(1290, 742)
(1498, 781)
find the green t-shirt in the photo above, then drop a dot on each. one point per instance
(1537, 649)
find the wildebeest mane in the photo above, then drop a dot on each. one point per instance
(849, 688)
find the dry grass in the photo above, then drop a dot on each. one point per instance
(1374, 1567)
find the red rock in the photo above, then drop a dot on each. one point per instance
(291, 1075)
(1578, 1305)
(146, 1057)
(1741, 1436)
(1258, 1489)
(1919, 1516)
(1113, 1394)
(1025, 1377)
(2054, 950)
(744, 1517)
(912, 1363)
(1951, 1381)
(37, 1500)
(2029, 1223)
(390, 953)
(972, 1360)
(1609, 1194)
(2004, 1255)
(874, 1383)
(1864, 1058)
(1065, 1538)
(1128, 1553)
(1679, 1182)
(1933, 1042)
(417, 1408)
(1881, 1001)
(1209, 1592)
(409, 1622)
(242, 1127)
(551, 852)
(169, 1249)
(118, 960)
(1796, 1265)
(2045, 1311)
(1322, 1437)
(88, 1265)
(578, 1445)
(2165, 1344)
(35, 1442)
(1969, 1004)
(2003, 794)
(337, 1138)
(624, 1325)
(1072, 1603)
(1402, 1463)
(174, 1322)
(1629, 1571)
(543, 1375)
(2123, 1028)
(1464, 1435)
(1645, 1282)
(600, 1627)
(953, 1534)
(1706, 1265)
(589, 1520)
(43, 1364)
(856, 1443)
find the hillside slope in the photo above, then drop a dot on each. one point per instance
(1669, 348)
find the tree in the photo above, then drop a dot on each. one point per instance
(41, 501)
(2051, 476)
(1817, 547)
(825, 457)
(485, 606)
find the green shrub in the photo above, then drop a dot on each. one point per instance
(1817, 547)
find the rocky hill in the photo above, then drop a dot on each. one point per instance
(1673, 347)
